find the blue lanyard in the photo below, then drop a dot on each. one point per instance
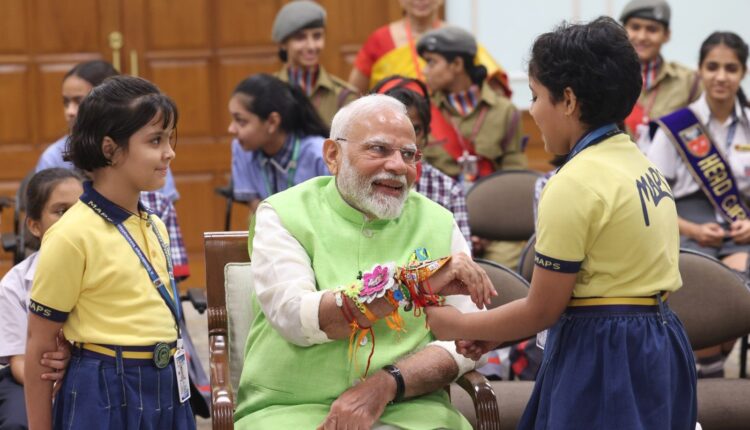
(592, 138)
(291, 169)
(170, 301)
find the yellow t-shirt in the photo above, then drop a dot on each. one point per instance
(609, 216)
(89, 277)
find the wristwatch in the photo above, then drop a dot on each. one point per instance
(400, 386)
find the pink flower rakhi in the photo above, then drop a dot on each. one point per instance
(377, 281)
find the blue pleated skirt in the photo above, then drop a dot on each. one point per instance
(615, 367)
(119, 394)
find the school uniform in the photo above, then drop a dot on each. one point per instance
(258, 176)
(732, 139)
(618, 358)
(14, 299)
(326, 92)
(160, 202)
(667, 86)
(115, 316)
(491, 124)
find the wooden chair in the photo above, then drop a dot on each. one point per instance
(714, 306)
(501, 205)
(229, 283)
(512, 396)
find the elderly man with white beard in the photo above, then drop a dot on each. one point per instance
(318, 356)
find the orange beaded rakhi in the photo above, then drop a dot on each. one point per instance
(407, 286)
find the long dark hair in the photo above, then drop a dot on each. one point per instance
(267, 94)
(732, 41)
(94, 72)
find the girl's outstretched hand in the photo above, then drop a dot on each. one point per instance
(461, 275)
(474, 349)
(444, 321)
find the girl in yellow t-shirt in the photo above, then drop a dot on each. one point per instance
(105, 275)
(615, 356)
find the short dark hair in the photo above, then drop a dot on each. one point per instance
(410, 92)
(117, 109)
(267, 94)
(597, 61)
(94, 72)
(40, 187)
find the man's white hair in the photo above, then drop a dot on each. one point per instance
(363, 107)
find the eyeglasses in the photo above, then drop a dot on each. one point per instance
(381, 150)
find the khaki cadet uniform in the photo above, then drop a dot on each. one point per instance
(498, 138)
(329, 95)
(675, 87)
(493, 128)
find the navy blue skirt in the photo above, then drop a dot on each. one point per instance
(112, 393)
(615, 367)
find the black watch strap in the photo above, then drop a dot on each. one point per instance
(400, 386)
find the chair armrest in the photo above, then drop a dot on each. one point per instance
(222, 399)
(485, 402)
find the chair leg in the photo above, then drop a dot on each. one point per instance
(228, 215)
(743, 356)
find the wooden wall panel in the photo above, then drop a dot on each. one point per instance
(196, 206)
(187, 83)
(67, 26)
(14, 110)
(243, 23)
(178, 24)
(52, 123)
(13, 27)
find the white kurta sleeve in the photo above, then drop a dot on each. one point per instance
(462, 303)
(284, 281)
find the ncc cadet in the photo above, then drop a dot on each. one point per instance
(299, 29)
(667, 86)
(475, 131)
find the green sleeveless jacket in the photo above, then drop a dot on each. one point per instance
(288, 386)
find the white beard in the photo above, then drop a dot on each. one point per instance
(358, 191)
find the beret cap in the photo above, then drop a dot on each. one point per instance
(295, 16)
(448, 39)
(657, 10)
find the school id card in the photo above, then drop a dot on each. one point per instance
(183, 377)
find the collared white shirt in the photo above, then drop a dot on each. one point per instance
(285, 288)
(737, 152)
(14, 300)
